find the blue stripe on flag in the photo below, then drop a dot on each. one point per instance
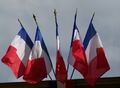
(74, 28)
(24, 35)
(90, 33)
(38, 37)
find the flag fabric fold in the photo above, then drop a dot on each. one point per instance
(61, 72)
(97, 60)
(39, 65)
(18, 52)
(77, 56)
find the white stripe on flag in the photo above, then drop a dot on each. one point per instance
(38, 52)
(93, 45)
(23, 50)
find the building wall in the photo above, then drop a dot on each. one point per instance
(113, 82)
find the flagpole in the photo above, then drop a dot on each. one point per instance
(35, 19)
(59, 83)
(72, 73)
(67, 67)
(71, 42)
(92, 17)
(55, 14)
(50, 77)
(49, 58)
(20, 22)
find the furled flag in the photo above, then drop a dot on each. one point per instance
(77, 57)
(38, 66)
(61, 72)
(98, 64)
(18, 52)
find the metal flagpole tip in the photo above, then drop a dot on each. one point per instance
(93, 16)
(55, 12)
(20, 22)
(34, 16)
(76, 13)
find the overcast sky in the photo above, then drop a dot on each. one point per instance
(106, 22)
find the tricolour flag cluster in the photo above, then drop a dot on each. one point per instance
(18, 53)
(88, 57)
(77, 57)
(32, 60)
(97, 60)
(39, 64)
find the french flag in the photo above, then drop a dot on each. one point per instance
(61, 72)
(97, 60)
(77, 56)
(39, 65)
(18, 52)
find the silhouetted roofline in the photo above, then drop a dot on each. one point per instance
(109, 82)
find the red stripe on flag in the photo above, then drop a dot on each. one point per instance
(97, 67)
(35, 71)
(61, 72)
(12, 60)
(78, 53)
